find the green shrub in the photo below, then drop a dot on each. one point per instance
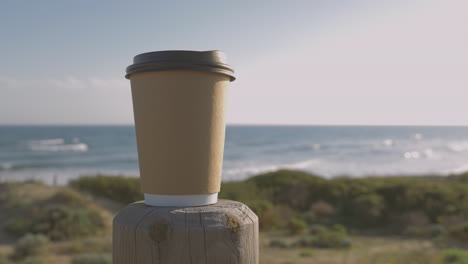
(117, 188)
(242, 191)
(90, 245)
(30, 245)
(339, 229)
(18, 226)
(3, 259)
(434, 199)
(67, 214)
(376, 202)
(334, 237)
(369, 209)
(268, 217)
(461, 178)
(305, 241)
(306, 253)
(416, 231)
(278, 243)
(294, 188)
(73, 248)
(322, 209)
(316, 229)
(460, 232)
(296, 226)
(259, 206)
(320, 212)
(411, 218)
(92, 259)
(58, 222)
(69, 197)
(331, 239)
(455, 256)
(430, 231)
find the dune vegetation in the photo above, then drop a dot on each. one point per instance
(304, 218)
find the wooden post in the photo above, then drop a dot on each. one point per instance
(222, 233)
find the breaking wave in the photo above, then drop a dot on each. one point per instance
(57, 145)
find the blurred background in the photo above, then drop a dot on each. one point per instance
(347, 117)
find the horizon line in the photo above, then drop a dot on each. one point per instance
(243, 124)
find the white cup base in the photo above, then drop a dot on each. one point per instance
(181, 200)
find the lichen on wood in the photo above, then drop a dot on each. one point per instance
(232, 223)
(159, 231)
(225, 232)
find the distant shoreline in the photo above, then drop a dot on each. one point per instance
(65, 152)
(56, 179)
(245, 125)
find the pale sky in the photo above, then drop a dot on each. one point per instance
(334, 62)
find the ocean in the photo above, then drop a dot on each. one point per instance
(56, 154)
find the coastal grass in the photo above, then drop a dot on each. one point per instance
(388, 204)
(118, 188)
(304, 218)
(38, 221)
(365, 250)
(62, 214)
(424, 207)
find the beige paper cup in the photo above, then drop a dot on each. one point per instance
(179, 105)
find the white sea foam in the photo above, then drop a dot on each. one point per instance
(461, 169)
(6, 166)
(419, 162)
(388, 142)
(240, 173)
(305, 147)
(412, 155)
(429, 153)
(80, 147)
(52, 141)
(59, 176)
(328, 152)
(306, 164)
(57, 145)
(458, 146)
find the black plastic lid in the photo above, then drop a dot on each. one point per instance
(168, 60)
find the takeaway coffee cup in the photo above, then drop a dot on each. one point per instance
(178, 103)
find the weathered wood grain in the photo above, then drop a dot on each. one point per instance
(226, 232)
